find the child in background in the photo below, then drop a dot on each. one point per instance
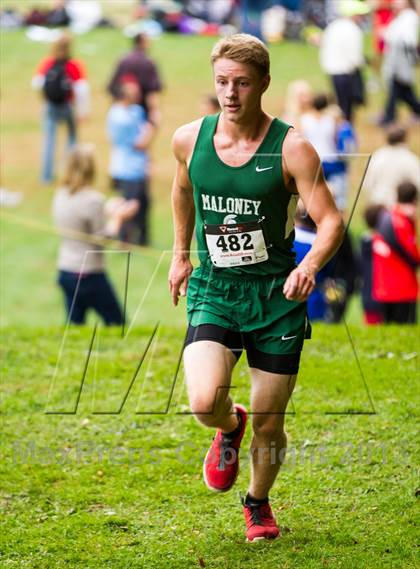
(79, 213)
(396, 258)
(372, 309)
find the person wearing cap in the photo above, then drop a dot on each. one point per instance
(138, 64)
(341, 55)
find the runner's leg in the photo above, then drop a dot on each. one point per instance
(208, 369)
(270, 394)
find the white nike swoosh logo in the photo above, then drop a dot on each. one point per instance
(258, 169)
(288, 337)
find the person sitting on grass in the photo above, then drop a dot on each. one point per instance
(79, 215)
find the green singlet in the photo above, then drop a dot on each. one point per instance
(245, 232)
(244, 214)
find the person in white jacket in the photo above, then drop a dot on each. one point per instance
(341, 55)
(400, 59)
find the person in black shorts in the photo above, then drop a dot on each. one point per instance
(238, 179)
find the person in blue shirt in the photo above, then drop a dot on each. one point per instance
(346, 142)
(305, 233)
(130, 134)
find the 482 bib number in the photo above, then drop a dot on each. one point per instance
(236, 244)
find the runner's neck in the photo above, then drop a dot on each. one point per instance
(253, 129)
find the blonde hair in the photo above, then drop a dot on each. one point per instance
(61, 47)
(293, 100)
(80, 167)
(243, 48)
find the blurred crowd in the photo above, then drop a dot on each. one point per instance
(381, 265)
(289, 18)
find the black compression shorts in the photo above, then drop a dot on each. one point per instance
(284, 364)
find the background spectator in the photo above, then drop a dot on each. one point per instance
(79, 209)
(341, 55)
(342, 284)
(66, 94)
(298, 101)
(137, 64)
(396, 257)
(315, 12)
(346, 142)
(400, 57)
(389, 166)
(58, 15)
(324, 127)
(209, 105)
(250, 14)
(382, 15)
(130, 136)
(305, 233)
(372, 309)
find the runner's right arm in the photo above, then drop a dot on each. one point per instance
(183, 212)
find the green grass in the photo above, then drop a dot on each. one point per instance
(124, 490)
(92, 491)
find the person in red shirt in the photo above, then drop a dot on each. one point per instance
(396, 257)
(66, 94)
(382, 16)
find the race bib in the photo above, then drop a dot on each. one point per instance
(236, 244)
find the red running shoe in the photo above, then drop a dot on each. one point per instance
(221, 465)
(260, 522)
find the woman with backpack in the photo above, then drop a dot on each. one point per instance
(66, 94)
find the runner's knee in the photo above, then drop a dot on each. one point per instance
(269, 426)
(207, 406)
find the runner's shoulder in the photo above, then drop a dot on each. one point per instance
(298, 151)
(184, 139)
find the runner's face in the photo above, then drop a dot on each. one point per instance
(239, 87)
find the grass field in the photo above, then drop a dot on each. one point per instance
(88, 490)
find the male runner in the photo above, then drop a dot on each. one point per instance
(238, 177)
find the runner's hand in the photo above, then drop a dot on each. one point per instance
(179, 273)
(299, 284)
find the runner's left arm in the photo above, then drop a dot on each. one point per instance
(302, 164)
